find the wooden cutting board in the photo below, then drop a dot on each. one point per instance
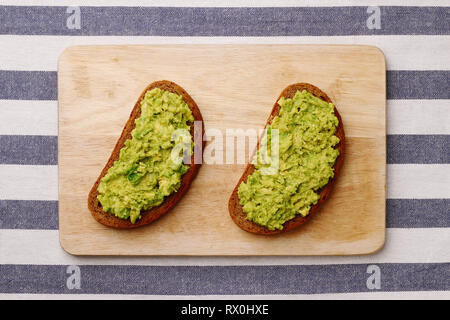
(235, 86)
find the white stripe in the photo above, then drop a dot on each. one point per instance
(31, 117)
(404, 181)
(402, 246)
(375, 295)
(25, 117)
(418, 117)
(403, 52)
(21, 182)
(418, 181)
(229, 3)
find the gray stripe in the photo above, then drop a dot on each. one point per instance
(28, 85)
(42, 150)
(158, 21)
(418, 84)
(29, 150)
(42, 85)
(400, 213)
(17, 214)
(418, 149)
(219, 280)
(418, 213)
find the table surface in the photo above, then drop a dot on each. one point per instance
(414, 263)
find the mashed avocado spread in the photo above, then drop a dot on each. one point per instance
(306, 128)
(145, 172)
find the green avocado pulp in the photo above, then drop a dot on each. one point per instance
(306, 135)
(147, 171)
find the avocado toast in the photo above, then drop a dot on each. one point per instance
(249, 205)
(153, 191)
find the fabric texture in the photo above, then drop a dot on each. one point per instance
(414, 263)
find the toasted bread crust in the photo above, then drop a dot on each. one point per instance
(235, 208)
(154, 213)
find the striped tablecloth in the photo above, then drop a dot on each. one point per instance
(416, 41)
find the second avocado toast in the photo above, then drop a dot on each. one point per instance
(320, 191)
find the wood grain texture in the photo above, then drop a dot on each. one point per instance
(234, 86)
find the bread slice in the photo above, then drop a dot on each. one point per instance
(154, 213)
(235, 208)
